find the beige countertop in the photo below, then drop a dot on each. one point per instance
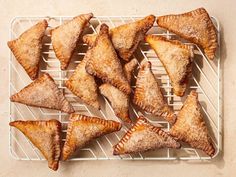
(224, 165)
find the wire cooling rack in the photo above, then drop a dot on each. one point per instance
(206, 80)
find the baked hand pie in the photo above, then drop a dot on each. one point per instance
(118, 99)
(148, 95)
(105, 64)
(83, 84)
(45, 135)
(65, 37)
(190, 126)
(82, 129)
(43, 92)
(127, 37)
(195, 26)
(143, 136)
(28, 47)
(129, 68)
(176, 59)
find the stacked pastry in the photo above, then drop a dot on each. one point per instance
(110, 59)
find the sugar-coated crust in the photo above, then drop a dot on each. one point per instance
(83, 84)
(148, 96)
(176, 42)
(43, 92)
(27, 48)
(82, 129)
(105, 64)
(119, 101)
(65, 37)
(132, 32)
(46, 131)
(129, 67)
(107, 123)
(195, 26)
(176, 57)
(190, 126)
(143, 126)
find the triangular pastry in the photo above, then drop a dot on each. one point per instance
(195, 26)
(176, 58)
(129, 67)
(83, 84)
(105, 64)
(27, 48)
(65, 37)
(126, 38)
(43, 92)
(148, 95)
(82, 129)
(118, 99)
(190, 126)
(46, 136)
(143, 136)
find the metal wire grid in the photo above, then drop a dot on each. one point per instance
(101, 149)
